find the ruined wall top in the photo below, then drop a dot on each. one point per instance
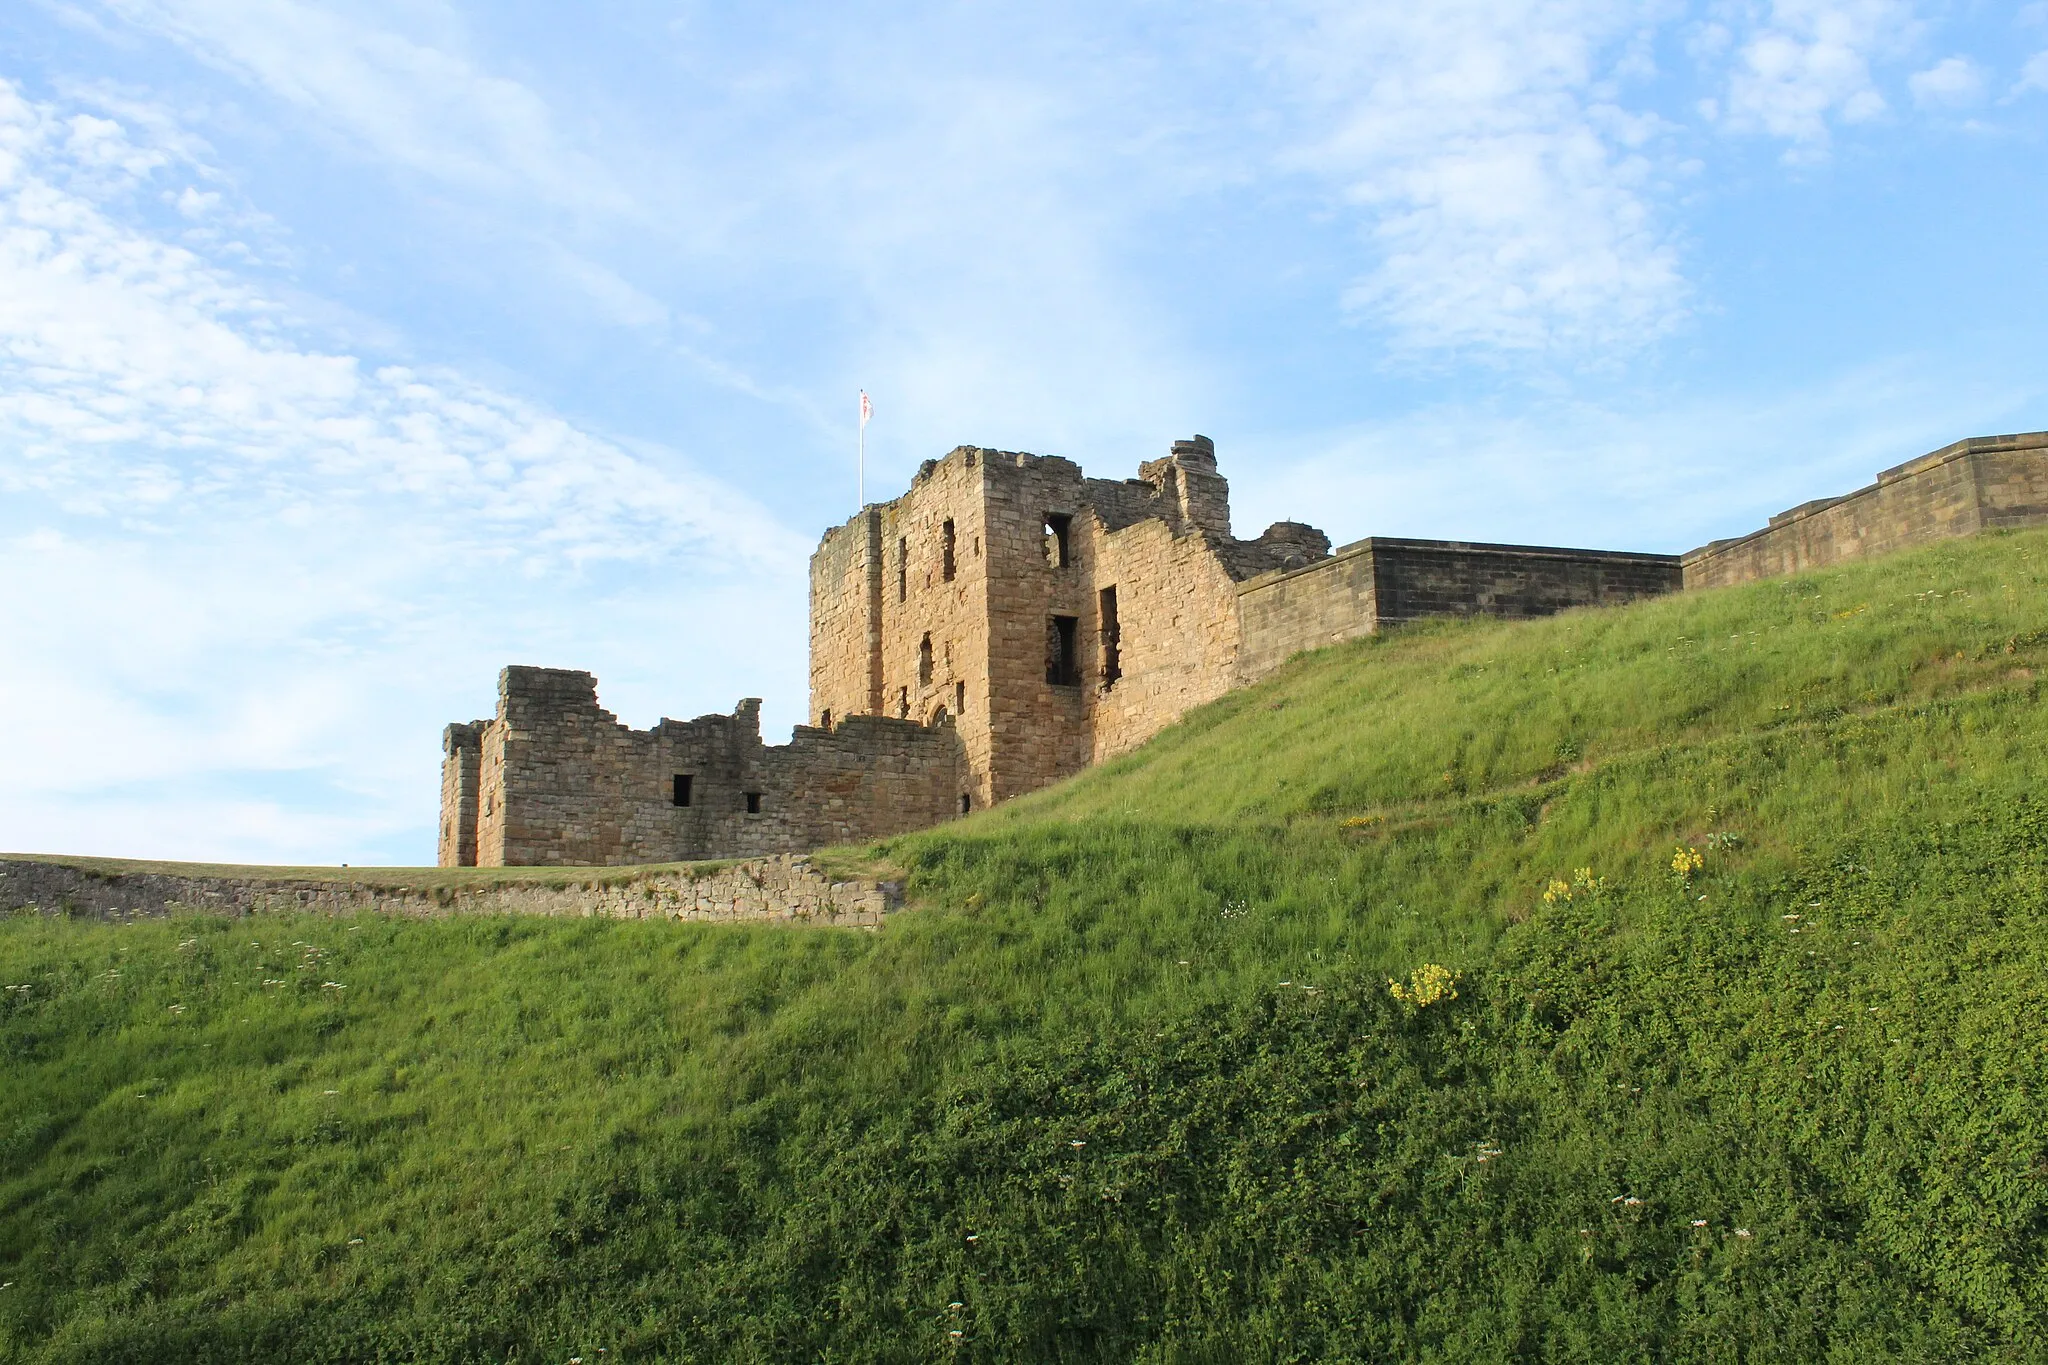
(1182, 489)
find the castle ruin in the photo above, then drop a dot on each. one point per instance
(1008, 621)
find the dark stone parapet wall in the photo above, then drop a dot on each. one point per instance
(1419, 578)
(1384, 580)
(782, 890)
(1984, 483)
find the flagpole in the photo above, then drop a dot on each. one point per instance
(862, 478)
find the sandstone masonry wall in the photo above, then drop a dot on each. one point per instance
(946, 603)
(562, 783)
(1284, 613)
(1382, 581)
(1958, 490)
(781, 890)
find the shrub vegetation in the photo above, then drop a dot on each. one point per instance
(1666, 983)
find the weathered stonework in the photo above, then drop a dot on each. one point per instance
(1008, 621)
(780, 890)
(1381, 581)
(1974, 485)
(560, 782)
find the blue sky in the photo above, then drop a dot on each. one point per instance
(348, 352)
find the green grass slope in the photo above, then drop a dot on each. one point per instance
(1131, 1085)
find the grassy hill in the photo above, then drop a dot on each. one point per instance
(1130, 1084)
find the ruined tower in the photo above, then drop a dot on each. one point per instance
(1053, 619)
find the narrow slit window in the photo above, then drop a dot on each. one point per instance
(966, 803)
(1061, 669)
(946, 552)
(753, 803)
(903, 703)
(902, 570)
(1112, 638)
(959, 698)
(924, 661)
(825, 719)
(1058, 527)
(680, 792)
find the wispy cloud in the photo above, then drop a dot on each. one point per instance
(1951, 83)
(1508, 196)
(1808, 66)
(239, 552)
(411, 103)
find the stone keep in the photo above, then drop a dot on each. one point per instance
(1008, 621)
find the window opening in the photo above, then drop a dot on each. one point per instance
(753, 803)
(924, 661)
(825, 719)
(1112, 638)
(959, 698)
(903, 703)
(1057, 526)
(1060, 667)
(939, 716)
(966, 803)
(680, 793)
(946, 553)
(902, 570)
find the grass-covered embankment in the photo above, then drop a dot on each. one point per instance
(1131, 1085)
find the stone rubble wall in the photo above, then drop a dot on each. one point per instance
(778, 890)
(563, 784)
(1958, 490)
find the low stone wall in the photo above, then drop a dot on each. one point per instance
(1983, 483)
(778, 890)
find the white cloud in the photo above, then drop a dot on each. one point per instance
(1809, 63)
(2034, 75)
(1953, 82)
(411, 103)
(235, 559)
(1509, 199)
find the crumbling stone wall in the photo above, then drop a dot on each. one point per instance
(1958, 490)
(461, 775)
(562, 783)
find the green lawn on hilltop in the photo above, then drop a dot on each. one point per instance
(1129, 1084)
